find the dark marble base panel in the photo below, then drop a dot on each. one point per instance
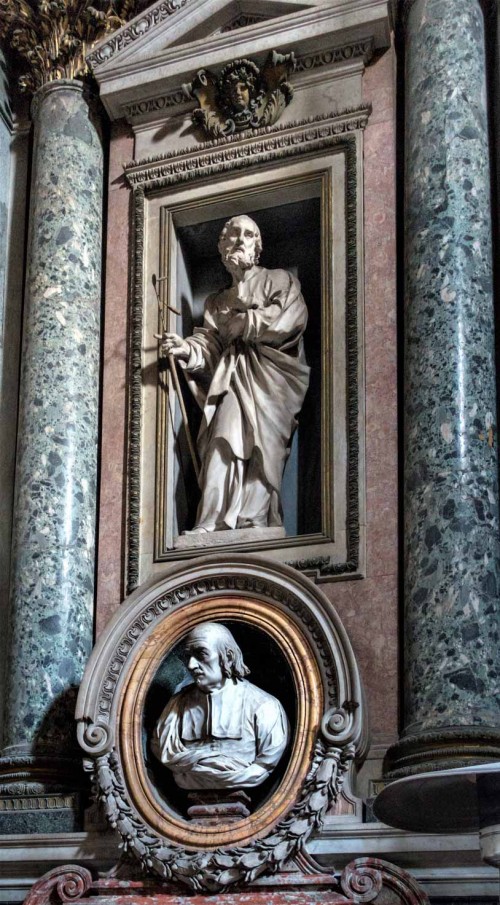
(40, 814)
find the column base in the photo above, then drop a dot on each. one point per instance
(444, 801)
(448, 748)
(41, 795)
(488, 793)
(489, 839)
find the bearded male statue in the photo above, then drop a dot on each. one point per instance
(221, 732)
(250, 347)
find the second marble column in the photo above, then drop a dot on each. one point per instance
(452, 567)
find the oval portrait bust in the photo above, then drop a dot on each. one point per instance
(220, 735)
(219, 713)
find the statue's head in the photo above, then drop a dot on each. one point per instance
(212, 656)
(240, 243)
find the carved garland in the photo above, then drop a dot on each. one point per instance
(213, 158)
(215, 871)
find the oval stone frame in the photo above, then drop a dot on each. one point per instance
(329, 734)
(309, 698)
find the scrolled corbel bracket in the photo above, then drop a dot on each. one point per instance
(68, 883)
(340, 725)
(94, 738)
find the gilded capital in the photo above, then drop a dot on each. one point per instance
(53, 37)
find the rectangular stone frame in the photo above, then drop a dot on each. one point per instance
(325, 153)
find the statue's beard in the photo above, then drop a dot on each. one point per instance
(238, 261)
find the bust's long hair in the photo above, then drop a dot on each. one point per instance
(231, 658)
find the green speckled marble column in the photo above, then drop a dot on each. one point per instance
(452, 574)
(52, 581)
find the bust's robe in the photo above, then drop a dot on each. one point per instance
(230, 738)
(257, 383)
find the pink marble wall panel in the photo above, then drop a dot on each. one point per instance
(368, 607)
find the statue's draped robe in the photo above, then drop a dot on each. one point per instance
(256, 390)
(229, 738)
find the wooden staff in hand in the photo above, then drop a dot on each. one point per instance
(175, 347)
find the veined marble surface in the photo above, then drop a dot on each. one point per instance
(451, 519)
(53, 548)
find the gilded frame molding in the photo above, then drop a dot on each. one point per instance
(339, 133)
(308, 689)
(330, 730)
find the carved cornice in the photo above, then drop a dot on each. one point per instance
(354, 50)
(53, 37)
(137, 29)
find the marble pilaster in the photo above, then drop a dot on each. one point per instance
(5, 473)
(5, 129)
(52, 580)
(452, 691)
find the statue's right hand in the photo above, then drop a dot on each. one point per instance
(172, 344)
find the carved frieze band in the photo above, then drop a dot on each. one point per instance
(237, 151)
(155, 104)
(213, 158)
(137, 29)
(356, 50)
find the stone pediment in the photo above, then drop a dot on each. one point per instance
(167, 44)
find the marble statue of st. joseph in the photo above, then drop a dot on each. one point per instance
(221, 732)
(250, 347)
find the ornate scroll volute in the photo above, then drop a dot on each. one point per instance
(242, 96)
(68, 883)
(299, 655)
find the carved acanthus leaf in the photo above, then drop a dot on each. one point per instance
(53, 37)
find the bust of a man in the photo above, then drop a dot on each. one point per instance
(221, 731)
